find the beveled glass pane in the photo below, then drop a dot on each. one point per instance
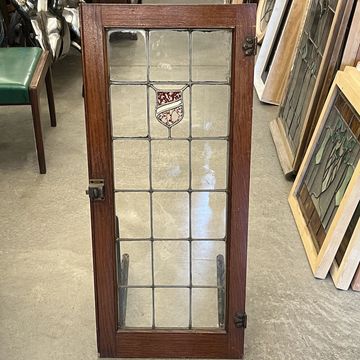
(210, 110)
(131, 164)
(170, 164)
(172, 307)
(171, 215)
(133, 210)
(139, 252)
(209, 164)
(208, 215)
(128, 110)
(204, 266)
(171, 262)
(127, 54)
(169, 62)
(157, 128)
(211, 51)
(205, 308)
(138, 308)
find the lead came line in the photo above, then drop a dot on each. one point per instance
(150, 177)
(190, 177)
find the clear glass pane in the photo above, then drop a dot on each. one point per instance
(139, 252)
(170, 164)
(210, 110)
(208, 215)
(138, 308)
(172, 307)
(171, 215)
(157, 129)
(211, 55)
(127, 55)
(171, 262)
(169, 55)
(133, 210)
(205, 308)
(204, 266)
(128, 110)
(131, 164)
(209, 164)
(157, 179)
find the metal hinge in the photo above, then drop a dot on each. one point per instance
(96, 189)
(240, 320)
(250, 46)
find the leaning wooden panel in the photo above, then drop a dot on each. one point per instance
(278, 65)
(318, 51)
(355, 285)
(347, 257)
(352, 49)
(277, 53)
(105, 75)
(326, 191)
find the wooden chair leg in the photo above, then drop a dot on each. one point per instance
(35, 108)
(50, 96)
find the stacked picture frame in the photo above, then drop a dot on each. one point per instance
(316, 61)
(278, 49)
(352, 48)
(326, 193)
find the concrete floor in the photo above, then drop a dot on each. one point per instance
(46, 280)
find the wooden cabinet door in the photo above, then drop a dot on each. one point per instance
(168, 102)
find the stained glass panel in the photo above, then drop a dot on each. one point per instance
(330, 168)
(306, 67)
(170, 154)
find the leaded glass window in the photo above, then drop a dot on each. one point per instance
(330, 169)
(306, 67)
(170, 150)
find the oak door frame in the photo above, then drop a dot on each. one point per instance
(95, 19)
(320, 262)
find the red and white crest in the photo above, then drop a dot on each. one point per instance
(169, 108)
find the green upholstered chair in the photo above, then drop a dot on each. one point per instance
(23, 73)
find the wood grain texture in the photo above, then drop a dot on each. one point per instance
(352, 48)
(99, 149)
(284, 152)
(284, 55)
(321, 261)
(355, 285)
(172, 343)
(343, 273)
(269, 45)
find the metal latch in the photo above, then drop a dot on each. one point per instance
(96, 190)
(240, 320)
(250, 46)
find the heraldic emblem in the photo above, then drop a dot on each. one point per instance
(169, 108)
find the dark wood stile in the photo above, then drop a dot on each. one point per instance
(228, 343)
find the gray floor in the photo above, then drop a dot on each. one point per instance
(46, 280)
